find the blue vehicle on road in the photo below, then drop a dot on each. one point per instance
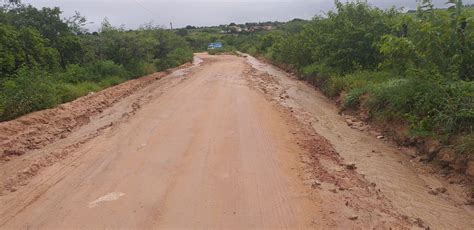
(214, 45)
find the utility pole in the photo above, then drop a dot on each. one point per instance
(171, 25)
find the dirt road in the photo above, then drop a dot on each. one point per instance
(207, 146)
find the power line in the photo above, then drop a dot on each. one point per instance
(144, 8)
(149, 11)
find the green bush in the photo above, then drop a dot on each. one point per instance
(432, 108)
(69, 92)
(28, 91)
(352, 99)
(111, 81)
(362, 79)
(140, 68)
(316, 74)
(74, 73)
(394, 96)
(334, 86)
(175, 58)
(455, 111)
(46, 60)
(107, 68)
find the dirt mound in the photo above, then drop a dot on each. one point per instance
(412, 189)
(35, 130)
(348, 192)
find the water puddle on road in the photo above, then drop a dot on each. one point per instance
(107, 198)
(264, 67)
(183, 72)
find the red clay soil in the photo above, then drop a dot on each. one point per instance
(41, 128)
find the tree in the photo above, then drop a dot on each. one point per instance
(76, 23)
(12, 54)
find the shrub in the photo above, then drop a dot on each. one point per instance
(334, 86)
(141, 68)
(432, 108)
(106, 68)
(393, 97)
(69, 92)
(352, 99)
(175, 58)
(74, 74)
(111, 81)
(362, 79)
(316, 74)
(28, 91)
(455, 113)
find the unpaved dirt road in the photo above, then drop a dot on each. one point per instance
(217, 145)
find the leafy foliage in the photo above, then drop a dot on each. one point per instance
(47, 60)
(415, 68)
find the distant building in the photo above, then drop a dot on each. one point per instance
(235, 29)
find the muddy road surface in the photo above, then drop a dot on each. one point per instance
(225, 143)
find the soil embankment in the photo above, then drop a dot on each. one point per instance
(414, 190)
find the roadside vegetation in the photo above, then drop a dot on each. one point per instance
(410, 72)
(46, 60)
(411, 69)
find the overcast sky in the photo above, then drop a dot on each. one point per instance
(133, 13)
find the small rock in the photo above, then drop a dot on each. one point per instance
(437, 191)
(9, 152)
(420, 223)
(441, 190)
(349, 122)
(375, 133)
(470, 168)
(433, 192)
(432, 150)
(447, 155)
(470, 202)
(380, 137)
(353, 217)
(411, 152)
(431, 147)
(316, 183)
(419, 159)
(351, 166)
